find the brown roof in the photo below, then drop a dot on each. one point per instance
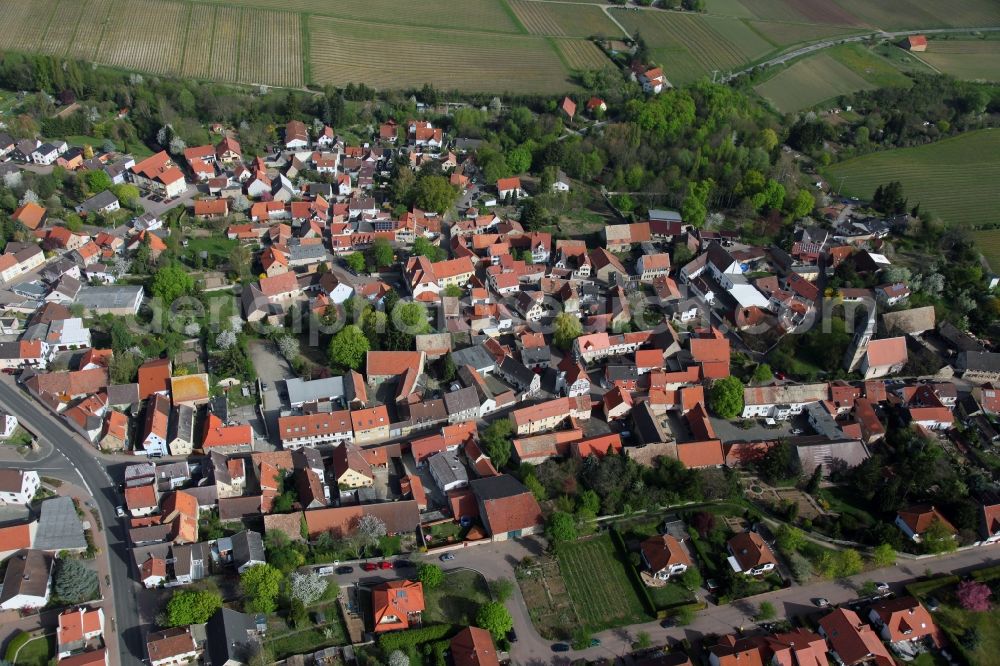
(473, 646)
(369, 419)
(854, 641)
(154, 377)
(390, 363)
(169, 643)
(701, 454)
(27, 573)
(888, 351)
(919, 518)
(750, 550)
(399, 518)
(30, 215)
(906, 618)
(506, 505)
(662, 551)
(279, 284)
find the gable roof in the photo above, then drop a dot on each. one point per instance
(505, 504)
(473, 646)
(750, 550)
(886, 351)
(854, 641)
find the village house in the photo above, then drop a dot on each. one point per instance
(750, 555)
(664, 556)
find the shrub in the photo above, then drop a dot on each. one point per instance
(400, 640)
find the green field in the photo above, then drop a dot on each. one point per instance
(955, 178)
(840, 70)
(970, 59)
(988, 243)
(917, 14)
(810, 81)
(599, 585)
(36, 652)
(558, 20)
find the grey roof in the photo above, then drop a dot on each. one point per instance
(497, 487)
(517, 371)
(461, 400)
(980, 361)
(665, 215)
(59, 528)
(230, 637)
(33, 289)
(536, 355)
(173, 470)
(182, 424)
(207, 496)
(646, 425)
(152, 534)
(306, 252)
(139, 474)
(118, 296)
(909, 322)
(823, 422)
(316, 390)
(123, 394)
(837, 453)
(99, 201)
(447, 469)
(477, 357)
(248, 546)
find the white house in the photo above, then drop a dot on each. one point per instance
(8, 424)
(45, 154)
(28, 580)
(18, 486)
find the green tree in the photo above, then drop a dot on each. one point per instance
(127, 194)
(532, 483)
(355, 261)
(643, 640)
(939, 538)
(502, 589)
(380, 254)
(494, 617)
(95, 181)
(561, 527)
(170, 283)
(448, 369)
(454, 291)
(297, 614)
(519, 159)
(883, 556)
(790, 539)
(762, 373)
(496, 441)
(435, 193)
(684, 616)
(766, 611)
(817, 478)
(581, 638)
(694, 209)
(74, 582)
(849, 563)
(430, 575)
(691, 578)
(802, 204)
(423, 247)
(348, 347)
(261, 585)
(868, 589)
(567, 328)
(188, 607)
(725, 398)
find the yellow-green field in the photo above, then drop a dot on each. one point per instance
(988, 243)
(970, 59)
(564, 20)
(955, 179)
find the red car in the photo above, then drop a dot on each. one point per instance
(368, 566)
(385, 565)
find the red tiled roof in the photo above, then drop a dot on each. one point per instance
(887, 351)
(750, 550)
(391, 363)
(473, 646)
(278, 285)
(919, 518)
(662, 551)
(217, 434)
(154, 377)
(854, 641)
(701, 454)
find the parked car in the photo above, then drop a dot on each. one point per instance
(384, 564)
(512, 636)
(403, 563)
(344, 570)
(821, 602)
(883, 588)
(560, 647)
(595, 642)
(120, 511)
(368, 566)
(447, 557)
(669, 622)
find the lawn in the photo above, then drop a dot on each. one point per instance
(136, 149)
(670, 595)
(870, 65)
(954, 178)
(36, 652)
(809, 81)
(457, 599)
(598, 584)
(310, 639)
(217, 247)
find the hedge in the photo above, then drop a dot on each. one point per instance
(401, 640)
(987, 573)
(15, 645)
(923, 587)
(633, 574)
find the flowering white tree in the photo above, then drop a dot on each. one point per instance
(177, 145)
(398, 658)
(120, 268)
(288, 346)
(239, 203)
(163, 134)
(192, 329)
(307, 588)
(226, 339)
(371, 529)
(12, 180)
(29, 197)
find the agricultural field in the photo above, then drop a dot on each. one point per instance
(689, 46)
(803, 11)
(605, 601)
(954, 178)
(447, 59)
(150, 37)
(88, 33)
(988, 243)
(24, 23)
(581, 54)
(917, 14)
(825, 75)
(559, 20)
(62, 26)
(970, 59)
(784, 35)
(477, 15)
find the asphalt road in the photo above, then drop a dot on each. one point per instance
(70, 457)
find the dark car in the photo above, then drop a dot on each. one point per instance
(560, 647)
(512, 636)
(368, 566)
(669, 622)
(344, 570)
(403, 563)
(595, 642)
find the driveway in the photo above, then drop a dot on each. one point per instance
(730, 431)
(158, 208)
(272, 369)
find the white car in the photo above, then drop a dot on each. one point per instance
(120, 511)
